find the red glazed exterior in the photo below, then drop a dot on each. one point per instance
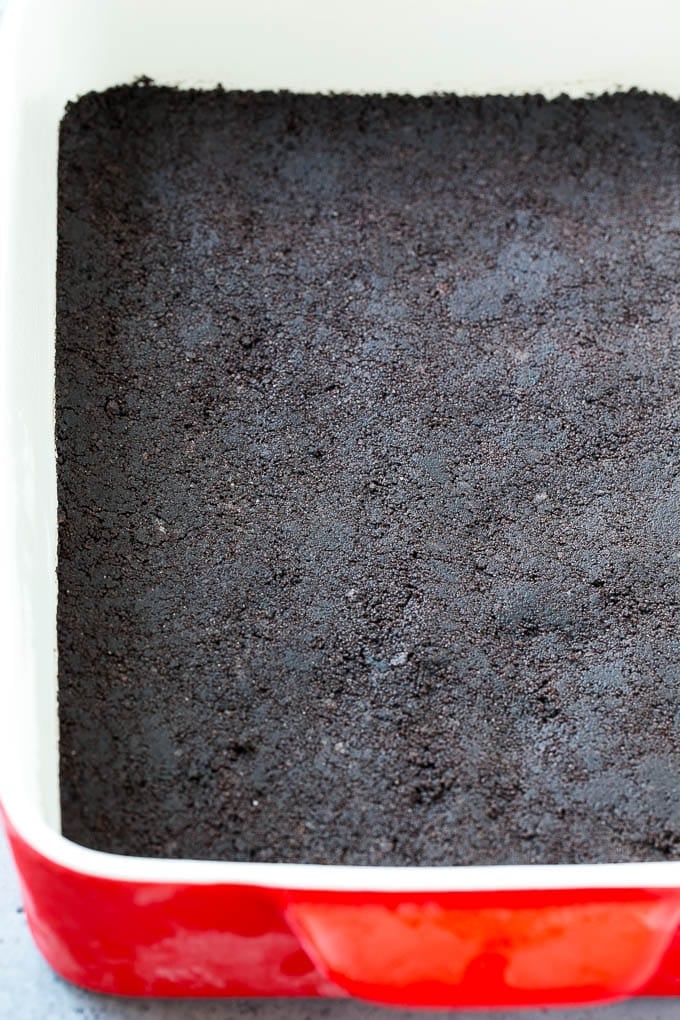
(151, 939)
(451, 948)
(523, 947)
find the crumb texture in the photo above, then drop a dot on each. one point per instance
(369, 501)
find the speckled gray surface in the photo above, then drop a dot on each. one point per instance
(426, 584)
(29, 989)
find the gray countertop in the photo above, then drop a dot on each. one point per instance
(29, 990)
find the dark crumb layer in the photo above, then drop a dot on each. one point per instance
(367, 420)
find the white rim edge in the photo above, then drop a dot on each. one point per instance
(32, 828)
(330, 877)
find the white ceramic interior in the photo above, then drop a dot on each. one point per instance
(51, 51)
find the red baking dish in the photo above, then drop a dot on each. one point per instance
(465, 936)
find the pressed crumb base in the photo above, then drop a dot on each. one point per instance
(368, 436)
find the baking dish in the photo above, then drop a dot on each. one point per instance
(422, 936)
